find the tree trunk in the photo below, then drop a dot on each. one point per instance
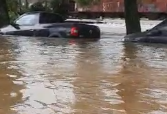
(132, 18)
(20, 6)
(4, 16)
(26, 4)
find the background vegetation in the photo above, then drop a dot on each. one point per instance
(10, 9)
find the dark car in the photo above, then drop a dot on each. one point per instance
(44, 24)
(157, 34)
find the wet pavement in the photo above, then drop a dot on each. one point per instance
(69, 76)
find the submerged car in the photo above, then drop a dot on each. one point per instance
(157, 34)
(44, 24)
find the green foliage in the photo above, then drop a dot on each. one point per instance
(84, 2)
(4, 16)
(87, 2)
(59, 6)
(12, 8)
(56, 6)
(38, 6)
(12, 5)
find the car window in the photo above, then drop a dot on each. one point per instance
(29, 19)
(161, 24)
(50, 18)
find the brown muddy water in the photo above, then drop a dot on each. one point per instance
(68, 76)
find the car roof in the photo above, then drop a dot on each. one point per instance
(43, 12)
(39, 12)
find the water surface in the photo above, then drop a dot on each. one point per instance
(69, 76)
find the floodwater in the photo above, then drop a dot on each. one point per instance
(68, 76)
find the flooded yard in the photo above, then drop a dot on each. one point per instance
(70, 76)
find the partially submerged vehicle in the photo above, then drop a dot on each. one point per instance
(157, 34)
(44, 24)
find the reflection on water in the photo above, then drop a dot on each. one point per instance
(10, 93)
(69, 76)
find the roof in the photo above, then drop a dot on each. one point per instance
(39, 12)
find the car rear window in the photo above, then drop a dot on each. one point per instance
(50, 18)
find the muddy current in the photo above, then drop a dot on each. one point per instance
(78, 76)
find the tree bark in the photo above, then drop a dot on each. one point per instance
(20, 6)
(26, 4)
(4, 16)
(132, 18)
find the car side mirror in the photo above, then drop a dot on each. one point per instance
(15, 25)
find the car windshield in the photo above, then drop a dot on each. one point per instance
(29, 19)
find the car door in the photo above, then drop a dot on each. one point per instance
(27, 24)
(53, 23)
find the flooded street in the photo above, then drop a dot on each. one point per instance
(68, 76)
